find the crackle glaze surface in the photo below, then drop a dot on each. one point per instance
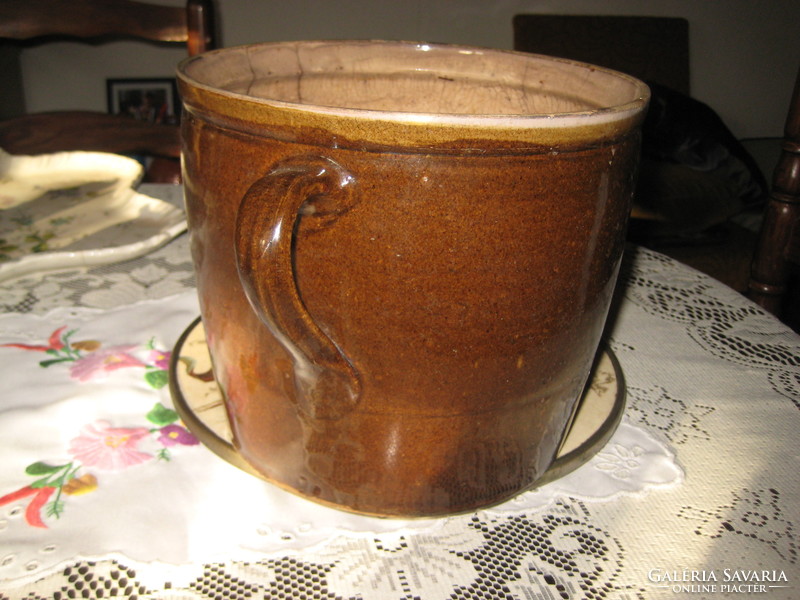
(405, 256)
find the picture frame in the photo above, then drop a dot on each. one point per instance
(154, 100)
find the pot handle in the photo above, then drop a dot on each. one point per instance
(316, 188)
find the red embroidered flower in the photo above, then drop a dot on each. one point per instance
(33, 513)
(53, 343)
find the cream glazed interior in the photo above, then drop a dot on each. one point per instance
(410, 80)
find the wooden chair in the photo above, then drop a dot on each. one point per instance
(778, 248)
(650, 48)
(38, 21)
(654, 49)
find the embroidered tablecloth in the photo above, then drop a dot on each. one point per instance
(106, 494)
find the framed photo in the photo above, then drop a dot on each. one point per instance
(152, 100)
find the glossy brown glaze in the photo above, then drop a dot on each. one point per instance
(401, 325)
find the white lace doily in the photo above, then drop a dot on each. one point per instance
(710, 377)
(79, 376)
(163, 272)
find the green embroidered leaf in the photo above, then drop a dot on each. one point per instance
(23, 220)
(47, 363)
(41, 468)
(161, 415)
(61, 221)
(55, 509)
(157, 379)
(41, 483)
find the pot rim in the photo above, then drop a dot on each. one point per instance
(639, 97)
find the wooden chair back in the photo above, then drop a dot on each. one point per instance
(87, 19)
(778, 250)
(650, 48)
(41, 21)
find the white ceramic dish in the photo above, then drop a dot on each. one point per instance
(75, 209)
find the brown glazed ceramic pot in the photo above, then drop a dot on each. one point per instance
(405, 255)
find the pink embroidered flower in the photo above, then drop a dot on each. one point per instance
(175, 434)
(159, 359)
(99, 363)
(111, 448)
